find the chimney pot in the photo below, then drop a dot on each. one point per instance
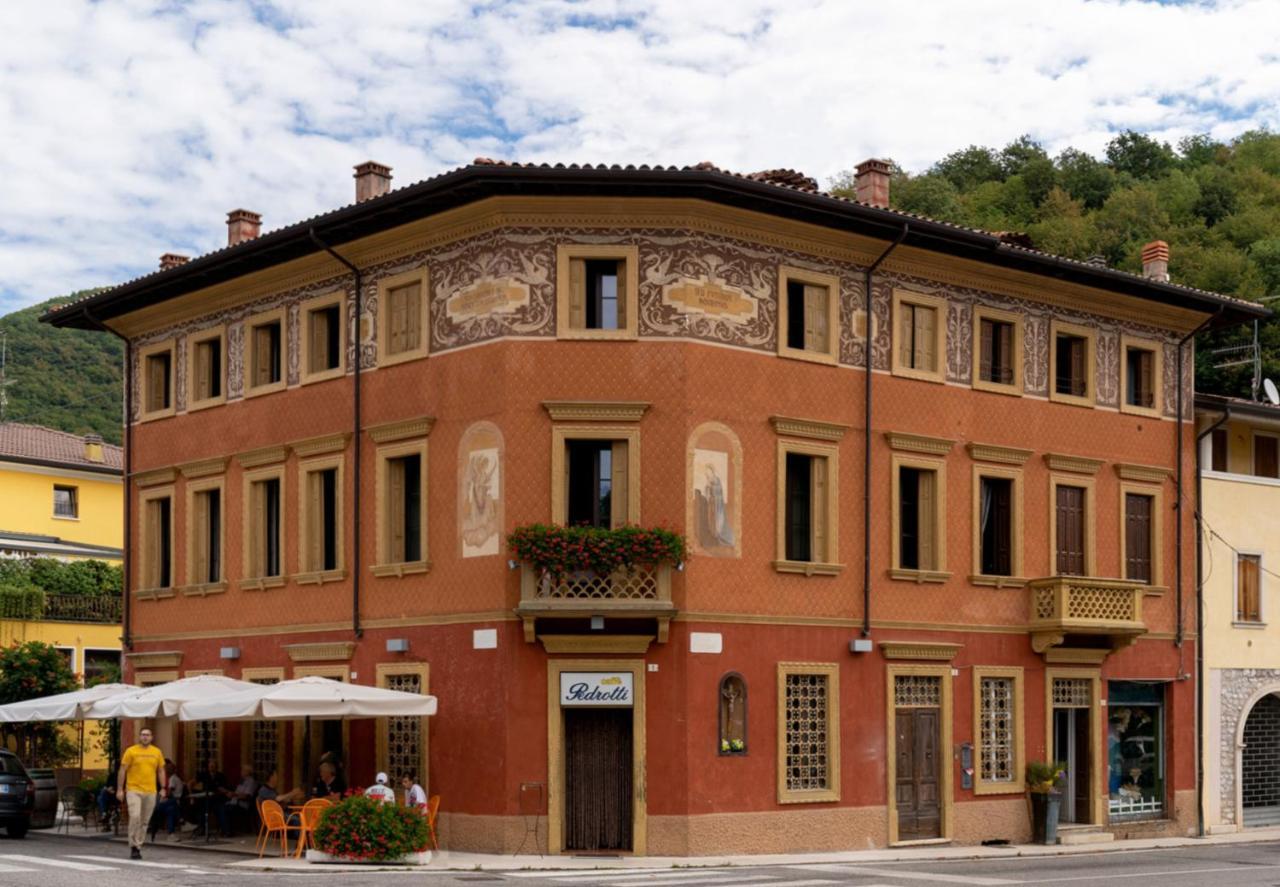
(172, 260)
(242, 225)
(871, 182)
(372, 180)
(1155, 261)
(93, 447)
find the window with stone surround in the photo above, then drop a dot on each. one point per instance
(596, 291)
(206, 370)
(808, 733)
(999, 732)
(808, 315)
(320, 546)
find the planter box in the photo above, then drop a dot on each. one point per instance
(319, 856)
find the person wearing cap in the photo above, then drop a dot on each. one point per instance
(379, 791)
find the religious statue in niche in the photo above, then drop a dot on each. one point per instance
(480, 495)
(715, 510)
(733, 715)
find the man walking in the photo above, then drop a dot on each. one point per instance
(139, 781)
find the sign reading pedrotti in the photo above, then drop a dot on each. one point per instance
(596, 688)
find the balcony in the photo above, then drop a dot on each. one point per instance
(1063, 606)
(36, 607)
(637, 593)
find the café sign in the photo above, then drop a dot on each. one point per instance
(596, 688)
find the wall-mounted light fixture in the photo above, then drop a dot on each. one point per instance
(597, 623)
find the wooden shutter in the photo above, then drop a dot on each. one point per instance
(157, 382)
(1146, 379)
(1248, 588)
(203, 371)
(815, 318)
(619, 514)
(413, 305)
(906, 335)
(1071, 541)
(262, 355)
(577, 294)
(986, 356)
(1002, 515)
(314, 550)
(622, 293)
(925, 335)
(257, 529)
(152, 537)
(1265, 462)
(1218, 445)
(1007, 361)
(926, 519)
(395, 516)
(1078, 376)
(819, 490)
(200, 569)
(318, 358)
(1137, 537)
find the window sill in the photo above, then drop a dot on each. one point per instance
(919, 576)
(153, 594)
(70, 517)
(319, 577)
(808, 568)
(398, 571)
(1131, 410)
(262, 583)
(740, 753)
(197, 405)
(919, 375)
(1012, 389)
(260, 390)
(823, 357)
(825, 796)
(1249, 626)
(323, 375)
(158, 414)
(1072, 400)
(998, 581)
(387, 360)
(625, 335)
(1155, 590)
(203, 589)
(999, 788)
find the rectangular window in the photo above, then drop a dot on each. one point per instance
(404, 319)
(1069, 504)
(1070, 370)
(265, 525)
(266, 354)
(1139, 374)
(206, 518)
(404, 509)
(159, 376)
(324, 339)
(996, 354)
(207, 372)
(808, 714)
(807, 489)
(596, 291)
(158, 542)
(998, 729)
(917, 518)
(596, 488)
(996, 526)
(66, 501)
(1266, 457)
(1218, 442)
(1248, 588)
(101, 666)
(807, 312)
(1135, 750)
(322, 520)
(1138, 537)
(917, 337)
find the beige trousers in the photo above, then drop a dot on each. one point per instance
(141, 805)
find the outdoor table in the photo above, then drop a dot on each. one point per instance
(207, 797)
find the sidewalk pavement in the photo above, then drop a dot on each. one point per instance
(452, 860)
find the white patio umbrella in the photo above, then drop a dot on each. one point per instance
(309, 697)
(64, 706)
(164, 699)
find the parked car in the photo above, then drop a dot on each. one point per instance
(17, 795)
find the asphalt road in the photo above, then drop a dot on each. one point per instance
(49, 861)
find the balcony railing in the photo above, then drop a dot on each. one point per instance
(1081, 605)
(103, 609)
(639, 593)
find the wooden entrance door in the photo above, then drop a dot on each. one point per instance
(597, 779)
(918, 790)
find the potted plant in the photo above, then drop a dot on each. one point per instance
(1043, 781)
(559, 551)
(360, 829)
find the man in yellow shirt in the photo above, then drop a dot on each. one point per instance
(141, 777)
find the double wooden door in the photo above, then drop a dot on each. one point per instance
(918, 787)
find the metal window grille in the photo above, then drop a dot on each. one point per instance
(1072, 693)
(807, 704)
(996, 718)
(404, 735)
(264, 743)
(917, 691)
(207, 747)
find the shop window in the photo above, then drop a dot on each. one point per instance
(1218, 442)
(1266, 455)
(66, 501)
(597, 295)
(809, 756)
(206, 370)
(1135, 749)
(733, 715)
(808, 314)
(919, 335)
(1248, 588)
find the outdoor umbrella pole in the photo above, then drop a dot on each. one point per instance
(306, 750)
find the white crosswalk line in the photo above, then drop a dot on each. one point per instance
(855, 869)
(56, 863)
(7, 869)
(548, 874)
(637, 878)
(814, 882)
(184, 866)
(726, 878)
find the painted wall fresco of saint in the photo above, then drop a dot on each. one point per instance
(714, 513)
(480, 490)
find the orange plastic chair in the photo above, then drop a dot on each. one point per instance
(262, 827)
(274, 823)
(431, 812)
(309, 818)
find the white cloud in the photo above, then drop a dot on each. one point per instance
(128, 128)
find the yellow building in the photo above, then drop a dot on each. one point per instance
(60, 496)
(1240, 573)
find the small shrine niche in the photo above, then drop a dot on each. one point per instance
(733, 715)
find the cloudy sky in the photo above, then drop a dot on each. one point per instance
(128, 128)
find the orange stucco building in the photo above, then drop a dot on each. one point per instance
(680, 348)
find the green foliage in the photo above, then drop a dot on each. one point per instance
(561, 550)
(21, 602)
(70, 380)
(364, 829)
(29, 671)
(88, 577)
(1044, 776)
(1139, 155)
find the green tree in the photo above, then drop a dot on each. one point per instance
(1200, 149)
(1085, 177)
(1139, 155)
(30, 671)
(969, 167)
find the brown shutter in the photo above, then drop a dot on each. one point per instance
(819, 490)
(1218, 445)
(986, 357)
(577, 294)
(1137, 537)
(1146, 364)
(318, 358)
(156, 381)
(262, 355)
(926, 332)
(397, 304)
(315, 521)
(1265, 461)
(815, 318)
(622, 294)
(200, 569)
(410, 317)
(1078, 375)
(395, 511)
(1071, 541)
(1004, 372)
(203, 370)
(927, 519)
(906, 335)
(1248, 588)
(153, 543)
(258, 529)
(619, 494)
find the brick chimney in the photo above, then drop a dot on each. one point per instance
(1155, 261)
(242, 225)
(871, 182)
(172, 260)
(93, 447)
(372, 180)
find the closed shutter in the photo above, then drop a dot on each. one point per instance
(1248, 588)
(1071, 541)
(153, 541)
(397, 306)
(622, 294)
(577, 294)
(619, 494)
(1146, 366)
(262, 370)
(927, 519)
(1265, 462)
(819, 491)
(907, 335)
(925, 339)
(157, 383)
(200, 569)
(204, 372)
(986, 357)
(314, 550)
(257, 529)
(1137, 537)
(1077, 367)
(815, 318)
(318, 359)
(1003, 367)
(395, 506)
(1002, 514)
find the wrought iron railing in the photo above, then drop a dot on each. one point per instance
(103, 609)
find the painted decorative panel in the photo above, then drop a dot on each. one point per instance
(959, 342)
(1108, 368)
(480, 490)
(714, 514)
(1035, 354)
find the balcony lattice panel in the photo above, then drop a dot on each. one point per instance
(638, 585)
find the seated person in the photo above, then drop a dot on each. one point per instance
(108, 803)
(414, 796)
(269, 791)
(241, 807)
(169, 808)
(379, 791)
(329, 784)
(213, 785)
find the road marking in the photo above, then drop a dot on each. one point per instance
(6, 869)
(57, 863)
(721, 878)
(634, 877)
(855, 869)
(1244, 867)
(184, 866)
(615, 873)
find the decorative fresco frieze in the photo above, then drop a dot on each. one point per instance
(1035, 354)
(959, 342)
(1108, 368)
(235, 360)
(180, 374)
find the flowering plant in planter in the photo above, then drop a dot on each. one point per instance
(363, 829)
(559, 550)
(1044, 776)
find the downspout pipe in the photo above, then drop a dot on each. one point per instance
(126, 635)
(1177, 541)
(355, 434)
(1226, 417)
(866, 441)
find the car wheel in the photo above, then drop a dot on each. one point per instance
(18, 830)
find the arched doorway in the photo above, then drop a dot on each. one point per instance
(1260, 764)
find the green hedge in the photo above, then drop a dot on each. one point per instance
(21, 602)
(89, 577)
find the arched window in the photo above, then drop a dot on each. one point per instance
(733, 715)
